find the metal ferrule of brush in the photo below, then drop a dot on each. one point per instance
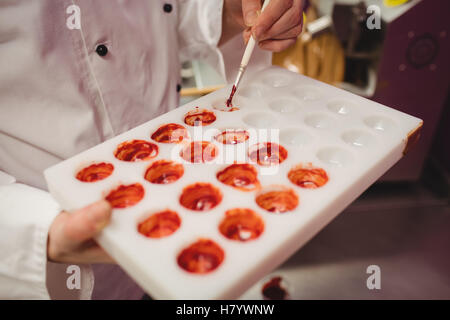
(239, 75)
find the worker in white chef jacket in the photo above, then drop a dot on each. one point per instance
(64, 89)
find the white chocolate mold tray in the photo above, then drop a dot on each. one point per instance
(336, 144)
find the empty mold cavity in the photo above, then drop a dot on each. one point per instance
(243, 177)
(200, 197)
(308, 93)
(251, 92)
(295, 137)
(171, 133)
(277, 199)
(203, 256)
(379, 123)
(358, 138)
(319, 121)
(125, 195)
(199, 152)
(335, 156)
(307, 176)
(284, 105)
(136, 150)
(164, 172)
(95, 172)
(259, 120)
(232, 136)
(341, 107)
(267, 154)
(241, 225)
(160, 225)
(276, 80)
(199, 117)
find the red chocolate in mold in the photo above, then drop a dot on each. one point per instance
(170, 133)
(199, 151)
(233, 136)
(241, 225)
(200, 197)
(160, 224)
(240, 176)
(201, 257)
(199, 117)
(136, 150)
(272, 290)
(126, 196)
(164, 172)
(278, 201)
(267, 153)
(95, 172)
(308, 176)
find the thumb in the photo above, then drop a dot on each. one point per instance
(86, 223)
(250, 11)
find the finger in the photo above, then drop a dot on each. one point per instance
(250, 11)
(86, 223)
(275, 9)
(291, 19)
(291, 33)
(277, 45)
(246, 35)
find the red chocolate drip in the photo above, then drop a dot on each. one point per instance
(200, 197)
(126, 196)
(199, 151)
(170, 133)
(160, 225)
(164, 172)
(95, 172)
(241, 225)
(278, 201)
(230, 99)
(308, 177)
(201, 257)
(272, 290)
(136, 150)
(240, 176)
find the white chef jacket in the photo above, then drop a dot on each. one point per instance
(58, 97)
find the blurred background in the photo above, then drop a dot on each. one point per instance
(402, 223)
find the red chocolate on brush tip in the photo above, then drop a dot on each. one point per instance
(136, 150)
(95, 172)
(200, 197)
(164, 172)
(230, 99)
(125, 195)
(308, 176)
(201, 257)
(160, 224)
(240, 176)
(170, 133)
(241, 225)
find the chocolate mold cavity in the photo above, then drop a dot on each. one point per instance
(199, 117)
(159, 225)
(95, 172)
(276, 80)
(335, 156)
(284, 105)
(295, 137)
(201, 257)
(170, 133)
(379, 123)
(319, 121)
(200, 196)
(259, 120)
(241, 225)
(341, 107)
(308, 93)
(277, 199)
(358, 138)
(164, 172)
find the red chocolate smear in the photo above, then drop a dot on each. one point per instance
(160, 224)
(241, 225)
(199, 117)
(230, 99)
(164, 172)
(136, 150)
(267, 154)
(272, 290)
(201, 257)
(308, 177)
(126, 196)
(278, 201)
(171, 133)
(200, 197)
(95, 172)
(233, 136)
(240, 176)
(199, 152)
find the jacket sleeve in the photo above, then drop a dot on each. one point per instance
(200, 30)
(26, 214)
